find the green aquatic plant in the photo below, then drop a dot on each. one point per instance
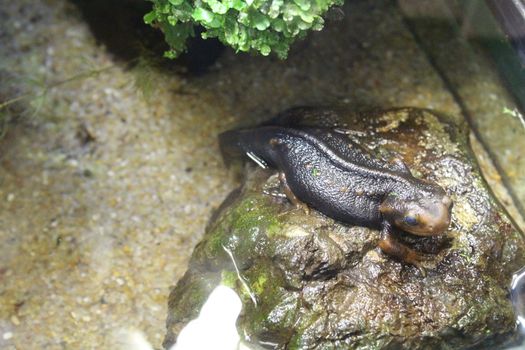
(246, 25)
(37, 89)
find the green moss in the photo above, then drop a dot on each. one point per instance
(242, 230)
(246, 25)
(259, 284)
(229, 279)
(276, 310)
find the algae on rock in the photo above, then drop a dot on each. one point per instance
(319, 284)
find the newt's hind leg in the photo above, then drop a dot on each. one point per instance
(291, 196)
(391, 246)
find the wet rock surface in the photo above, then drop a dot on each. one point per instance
(309, 282)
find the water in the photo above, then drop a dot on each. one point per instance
(517, 295)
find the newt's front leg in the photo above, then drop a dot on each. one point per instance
(291, 196)
(391, 246)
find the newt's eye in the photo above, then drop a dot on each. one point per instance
(410, 220)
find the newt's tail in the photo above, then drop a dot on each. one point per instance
(230, 146)
(247, 144)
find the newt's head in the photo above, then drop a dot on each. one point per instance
(424, 211)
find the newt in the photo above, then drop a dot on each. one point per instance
(323, 168)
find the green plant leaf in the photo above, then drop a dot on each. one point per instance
(265, 26)
(150, 17)
(260, 21)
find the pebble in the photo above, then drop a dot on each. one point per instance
(15, 320)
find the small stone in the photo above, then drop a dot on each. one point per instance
(15, 320)
(7, 335)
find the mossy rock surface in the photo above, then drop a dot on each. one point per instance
(319, 284)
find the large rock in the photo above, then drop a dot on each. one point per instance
(309, 282)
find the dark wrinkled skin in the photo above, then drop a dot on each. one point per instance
(323, 168)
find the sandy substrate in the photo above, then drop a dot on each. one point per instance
(105, 187)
